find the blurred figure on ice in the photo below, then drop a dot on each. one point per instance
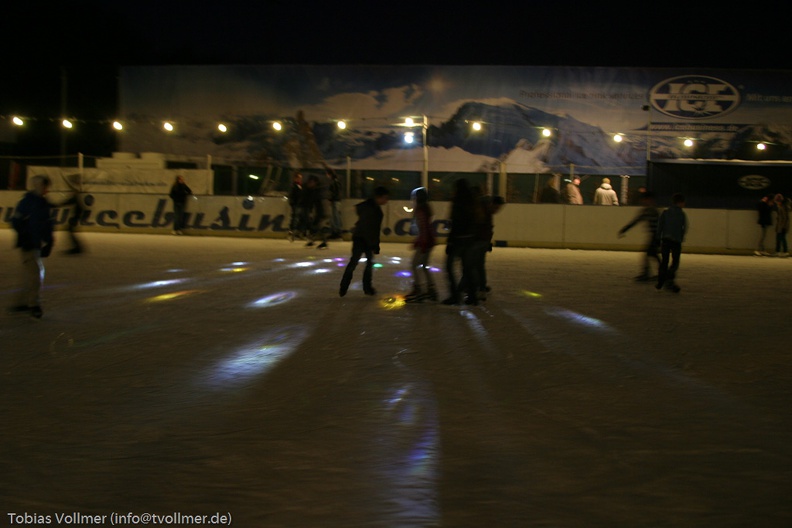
(295, 201)
(605, 195)
(76, 203)
(334, 195)
(671, 229)
(423, 284)
(465, 212)
(178, 194)
(764, 208)
(33, 224)
(491, 206)
(782, 225)
(366, 239)
(313, 212)
(650, 215)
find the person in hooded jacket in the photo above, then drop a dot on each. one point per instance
(33, 224)
(605, 195)
(366, 240)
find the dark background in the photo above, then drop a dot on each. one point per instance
(86, 41)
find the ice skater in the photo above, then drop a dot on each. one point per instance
(671, 229)
(459, 247)
(366, 240)
(295, 201)
(178, 194)
(423, 284)
(33, 224)
(650, 215)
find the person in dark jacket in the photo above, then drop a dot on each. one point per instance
(671, 230)
(464, 218)
(295, 203)
(765, 210)
(313, 212)
(178, 194)
(334, 195)
(366, 239)
(33, 224)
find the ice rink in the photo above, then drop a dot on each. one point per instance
(197, 375)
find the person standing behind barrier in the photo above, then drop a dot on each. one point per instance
(32, 221)
(650, 215)
(460, 242)
(765, 210)
(334, 195)
(605, 195)
(178, 194)
(782, 225)
(423, 284)
(572, 192)
(366, 240)
(671, 229)
(549, 193)
(295, 201)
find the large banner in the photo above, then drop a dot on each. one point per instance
(469, 118)
(125, 181)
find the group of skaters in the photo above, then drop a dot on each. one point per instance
(469, 240)
(781, 206)
(309, 220)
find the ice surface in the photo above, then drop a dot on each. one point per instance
(201, 375)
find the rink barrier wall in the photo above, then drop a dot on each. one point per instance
(516, 225)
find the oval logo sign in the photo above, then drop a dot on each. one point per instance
(754, 182)
(694, 97)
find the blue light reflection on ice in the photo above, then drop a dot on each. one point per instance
(409, 460)
(273, 299)
(158, 284)
(403, 274)
(256, 358)
(578, 318)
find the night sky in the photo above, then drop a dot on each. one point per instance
(86, 41)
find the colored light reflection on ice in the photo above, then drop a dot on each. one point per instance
(234, 270)
(273, 300)
(158, 284)
(258, 357)
(303, 264)
(531, 294)
(393, 302)
(408, 456)
(171, 296)
(403, 274)
(577, 318)
(377, 265)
